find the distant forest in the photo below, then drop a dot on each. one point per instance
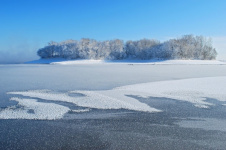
(185, 47)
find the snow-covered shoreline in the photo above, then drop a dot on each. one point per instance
(61, 61)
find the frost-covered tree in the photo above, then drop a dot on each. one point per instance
(116, 50)
(141, 49)
(103, 50)
(186, 47)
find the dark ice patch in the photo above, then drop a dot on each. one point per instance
(31, 111)
(76, 94)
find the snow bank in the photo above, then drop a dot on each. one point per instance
(60, 61)
(74, 62)
(190, 62)
(149, 62)
(46, 61)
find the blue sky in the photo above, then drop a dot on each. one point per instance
(27, 25)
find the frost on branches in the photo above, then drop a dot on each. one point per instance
(186, 47)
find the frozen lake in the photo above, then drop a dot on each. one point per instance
(110, 106)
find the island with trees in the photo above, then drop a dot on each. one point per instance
(185, 47)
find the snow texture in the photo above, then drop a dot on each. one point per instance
(59, 61)
(195, 91)
(80, 110)
(92, 99)
(41, 111)
(74, 62)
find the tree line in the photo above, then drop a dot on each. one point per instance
(185, 47)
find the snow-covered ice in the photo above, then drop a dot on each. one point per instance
(80, 110)
(41, 111)
(195, 91)
(92, 99)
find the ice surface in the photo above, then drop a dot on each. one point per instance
(192, 90)
(41, 111)
(108, 99)
(92, 99)
(51, 111)
(195, 91)
(204, 123)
